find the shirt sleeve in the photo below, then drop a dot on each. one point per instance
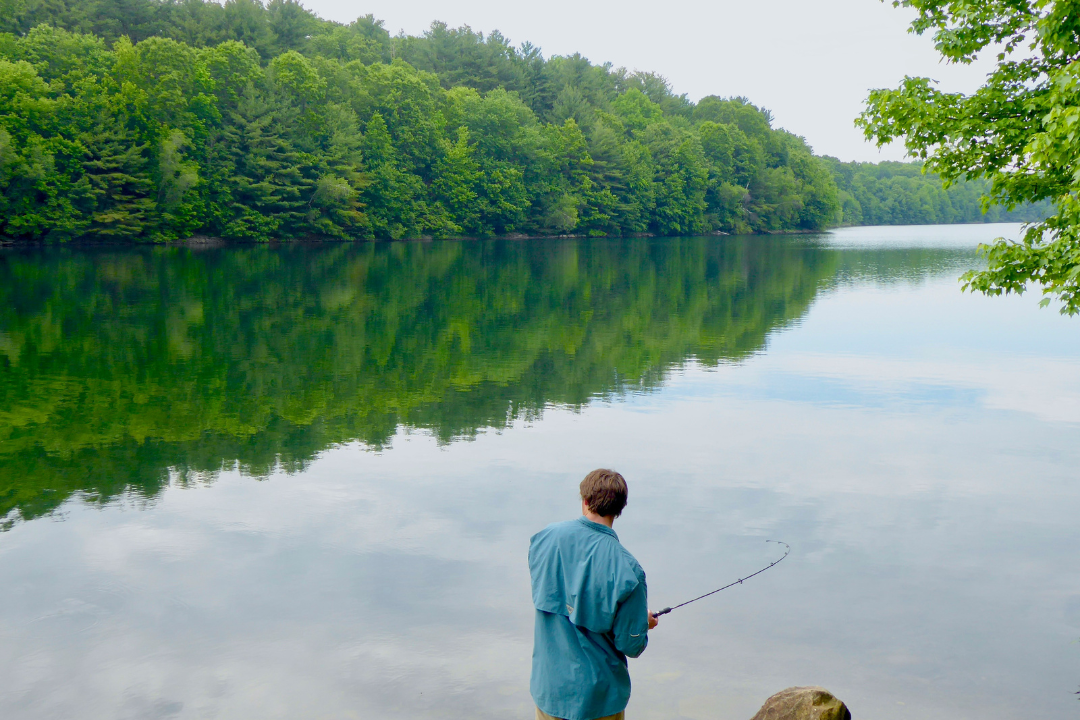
(631, 628)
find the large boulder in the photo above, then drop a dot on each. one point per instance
(803, 703)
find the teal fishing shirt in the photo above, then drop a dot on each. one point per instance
(591, 614)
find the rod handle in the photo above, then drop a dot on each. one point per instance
(665, 611)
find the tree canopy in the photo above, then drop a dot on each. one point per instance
(159, 119)
(1020, 130)
(904, 193)
(162, 119)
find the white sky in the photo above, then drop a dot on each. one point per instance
(809, 61)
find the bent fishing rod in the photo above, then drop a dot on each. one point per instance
(787, 550)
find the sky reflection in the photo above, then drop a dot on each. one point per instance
(917, 447)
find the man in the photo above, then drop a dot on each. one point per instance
(591, 609)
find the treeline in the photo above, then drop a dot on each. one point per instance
(162, 119)
(895, 193)
(245, 121)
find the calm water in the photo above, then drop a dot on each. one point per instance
(299, 482)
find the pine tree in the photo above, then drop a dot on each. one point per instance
(335, 209)
(120, 187)
(266, 178)
(395, 197)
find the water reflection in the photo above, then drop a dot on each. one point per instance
(916, 446)
(121, 366)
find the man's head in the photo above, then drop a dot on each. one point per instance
(604, 493)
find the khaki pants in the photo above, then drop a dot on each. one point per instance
(541, 715)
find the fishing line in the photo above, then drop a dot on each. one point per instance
(666, 610)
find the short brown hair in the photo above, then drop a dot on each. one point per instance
(604, 491)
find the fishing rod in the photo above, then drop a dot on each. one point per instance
(666, 610)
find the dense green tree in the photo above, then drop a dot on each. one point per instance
(39, 186)
(637, 193)
(394, 194)
(290, 24)
(895, 193)
(264, 166)
(1019, 130)
(177, 177)
(117, 173)
(461, 57)
(159, 119)
(681, 180)
(456, 185)
(365, 39)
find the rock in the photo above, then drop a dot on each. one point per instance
(803, 703)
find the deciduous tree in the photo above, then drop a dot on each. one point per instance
(1020, 129)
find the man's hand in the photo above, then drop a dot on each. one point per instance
(653, 620)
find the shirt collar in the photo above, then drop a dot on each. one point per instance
(597, 526)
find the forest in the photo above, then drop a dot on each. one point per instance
(159, 120)
(895, 193)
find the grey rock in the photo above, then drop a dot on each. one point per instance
(803, 703)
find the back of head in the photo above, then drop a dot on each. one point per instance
(604, 491)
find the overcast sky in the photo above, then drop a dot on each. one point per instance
(809, 61)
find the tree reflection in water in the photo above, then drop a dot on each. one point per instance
(128, 369)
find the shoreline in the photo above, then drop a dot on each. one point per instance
(207, 241)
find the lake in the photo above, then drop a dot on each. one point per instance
(299, 481)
